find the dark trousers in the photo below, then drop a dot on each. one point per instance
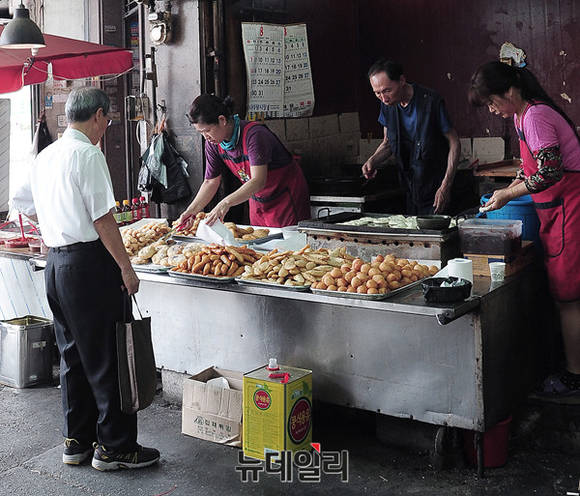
(83, 285)
(424, 208)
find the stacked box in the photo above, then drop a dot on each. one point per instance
(513, 263)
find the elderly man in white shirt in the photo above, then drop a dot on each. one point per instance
(88, 276)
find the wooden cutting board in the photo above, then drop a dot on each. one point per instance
(503, 168)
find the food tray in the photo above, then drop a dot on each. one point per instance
(344, 294)
(258, 241)
(363, 296)
(199, 277)
(141, 222)
(255, 282)
(152, 268)
(189, 239)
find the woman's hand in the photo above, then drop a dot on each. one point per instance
(186, 218)
(218, 213)
(499, 198)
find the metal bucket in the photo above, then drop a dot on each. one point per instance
(26, 345)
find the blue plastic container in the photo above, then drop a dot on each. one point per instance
(521, 208)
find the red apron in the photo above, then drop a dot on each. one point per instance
(558, 208)
(284, 200)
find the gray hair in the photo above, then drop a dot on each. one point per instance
(82, 103)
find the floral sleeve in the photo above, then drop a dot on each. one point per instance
(550, 169)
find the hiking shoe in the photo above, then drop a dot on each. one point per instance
(104, 459)
(76, 452)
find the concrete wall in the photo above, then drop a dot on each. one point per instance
(67, 18)
(178, 71)
(72, 19)
(178, 74)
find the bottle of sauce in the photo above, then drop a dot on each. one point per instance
(127, 213)
(144, 208)
(136, 210)
(118, 215)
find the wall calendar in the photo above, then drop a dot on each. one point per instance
(278, 70)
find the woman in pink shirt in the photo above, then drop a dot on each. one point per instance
(550, 172)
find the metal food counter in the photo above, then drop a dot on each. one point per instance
(464, 365)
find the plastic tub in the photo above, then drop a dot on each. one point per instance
(435, 293)
(495, 444)
(34, 244)
(521, 209)
(490, 236)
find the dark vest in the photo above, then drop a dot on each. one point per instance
(425, 171)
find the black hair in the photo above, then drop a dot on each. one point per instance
(496, 78)
(392, 69)
(207, 108)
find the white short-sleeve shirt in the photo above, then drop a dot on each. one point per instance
(68, 189)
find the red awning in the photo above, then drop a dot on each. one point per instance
(70, 59)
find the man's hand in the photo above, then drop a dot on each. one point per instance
(442, 197)
(368, 170)
(107, 229)
(130, 280)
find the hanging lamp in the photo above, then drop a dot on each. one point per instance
(21, 32)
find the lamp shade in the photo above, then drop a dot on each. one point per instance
(21, 31)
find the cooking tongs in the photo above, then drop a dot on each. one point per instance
(173, 230)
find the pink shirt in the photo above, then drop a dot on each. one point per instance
(544, 127)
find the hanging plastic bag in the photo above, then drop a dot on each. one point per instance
(152, 158)
(42, 137)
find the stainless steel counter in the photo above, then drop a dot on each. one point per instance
(463, 365)
(447, 365)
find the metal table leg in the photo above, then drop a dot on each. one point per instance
(479, 452)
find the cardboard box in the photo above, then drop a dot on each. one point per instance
(487, 150)
(367, 147)
(213, 413)
(297, 129)
(513, 263)
(277, 411)
(323, 125)
(278, 127)
(348, 122)
(351, 147)
(466, 149)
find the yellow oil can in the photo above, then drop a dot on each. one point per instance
(277, 403)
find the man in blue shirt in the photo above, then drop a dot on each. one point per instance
(418, 135)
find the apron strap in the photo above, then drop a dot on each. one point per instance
(521, 132)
